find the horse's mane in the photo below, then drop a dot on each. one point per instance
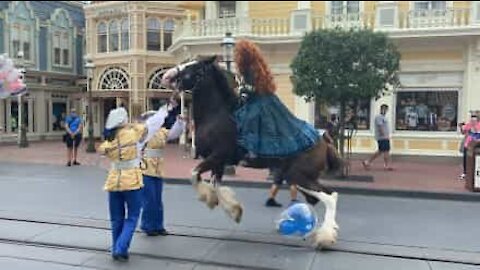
(226, 88)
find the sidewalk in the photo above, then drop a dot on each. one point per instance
(426, 176)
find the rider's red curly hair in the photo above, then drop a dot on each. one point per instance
(248, 56)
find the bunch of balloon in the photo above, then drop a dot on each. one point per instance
(11, 82)
(298, 219)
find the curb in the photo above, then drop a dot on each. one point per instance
(396, 193)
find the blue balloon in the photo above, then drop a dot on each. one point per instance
(287, 227)
(298, 219)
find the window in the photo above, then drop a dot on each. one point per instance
(430, 5)
(155, 80)
(114, 79)
(168, 28)
(14, 115)
(113, 36)
(65, 49)
(125, 35)
(226, 9)
(56, 49)
(357, 113)
(21, 41)
(153, 34)
(59, 112)
(345, 7)
(345, 12)
(62, 29)
(429, 8)
(61, 51)
(427, 110)
(102, 37)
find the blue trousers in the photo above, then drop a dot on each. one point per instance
(123, 229)
(152, 214)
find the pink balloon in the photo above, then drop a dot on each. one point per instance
(15, 86)
(13, 75)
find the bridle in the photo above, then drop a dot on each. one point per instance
(198, 76)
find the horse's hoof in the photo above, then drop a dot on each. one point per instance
(324, 237)
(212, 199)
(202, 191)
(237, 213)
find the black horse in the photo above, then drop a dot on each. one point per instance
(214, 102)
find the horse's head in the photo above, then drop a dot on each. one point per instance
(188, 75)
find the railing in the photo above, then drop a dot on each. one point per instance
(237, 26)
(355, 20)
(434, 19)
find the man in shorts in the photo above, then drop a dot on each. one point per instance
(278, 179)
(382, 135)
(73, 126)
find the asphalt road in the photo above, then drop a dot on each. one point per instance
(53, 217)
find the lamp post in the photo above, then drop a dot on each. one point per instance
(22, 129)
(228, 44)
(89, 66)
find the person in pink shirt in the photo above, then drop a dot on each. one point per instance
(471, 130)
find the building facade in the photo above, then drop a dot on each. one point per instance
(439, 43)
(128, 43)
(47, 40)
(132, 43)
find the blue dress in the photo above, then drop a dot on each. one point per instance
(266, 128)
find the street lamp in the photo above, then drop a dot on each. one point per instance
(228, 44)
(89, 66)
(22, 129)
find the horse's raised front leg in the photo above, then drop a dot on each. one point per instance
(226, 197)
(326, 235)
(205, 191)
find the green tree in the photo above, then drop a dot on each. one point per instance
(336, 66)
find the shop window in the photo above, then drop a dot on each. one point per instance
(427, 110)
(59, 113)
(357, 114)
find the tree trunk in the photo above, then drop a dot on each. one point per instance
(341, 135)
(341, 131)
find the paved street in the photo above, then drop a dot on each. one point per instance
(53, 217)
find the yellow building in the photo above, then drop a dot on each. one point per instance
(439, 42)
(128, 43)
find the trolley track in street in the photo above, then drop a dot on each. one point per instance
(231, 238)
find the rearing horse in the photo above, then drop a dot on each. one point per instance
(214, 103)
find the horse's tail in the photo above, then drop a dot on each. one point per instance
(334, 161)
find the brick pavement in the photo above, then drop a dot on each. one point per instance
(436, 176)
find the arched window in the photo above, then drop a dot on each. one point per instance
(22, 28)
(113, 32)
(102, 37)
(155, 79)
(114, 78)
(153, 34)
(168, 27)
(62, 29)
(125, 35)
